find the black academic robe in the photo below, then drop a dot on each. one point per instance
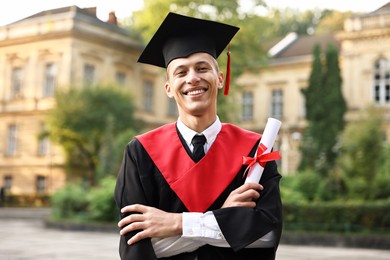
(157, 171)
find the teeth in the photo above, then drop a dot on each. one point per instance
(195, 92)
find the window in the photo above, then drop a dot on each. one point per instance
(148, 96)
(382, 82)
(41, 184)
(50, 80)
(7, 184)
(16, 84)
(302, 102)
(89, 74)
(43, 141)
(247, 106)
(43, 146)
(277, 103)
(11, 140)
(120, 78)
(172, 108)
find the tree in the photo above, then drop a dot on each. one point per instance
(362, 156)
(154, 11)
(332, 22)
(85, 121)
(313, 112)
(292, 20)
(381, 187)
(334, 104)
(325, 108)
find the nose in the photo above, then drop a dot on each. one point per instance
(192, 77)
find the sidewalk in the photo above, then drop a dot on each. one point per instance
(23, 236)
(24, 213)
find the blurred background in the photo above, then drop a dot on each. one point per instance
(72, 95)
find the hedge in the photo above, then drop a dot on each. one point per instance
(346, 216)
(35, 200)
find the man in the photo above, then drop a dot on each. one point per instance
(174, 204)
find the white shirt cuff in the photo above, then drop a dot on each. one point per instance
(199, 225)
(205, 228)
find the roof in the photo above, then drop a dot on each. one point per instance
(290, 46)
(79, 21)
(385, 9)
(303, 45)
(88, 14)
(87, 11)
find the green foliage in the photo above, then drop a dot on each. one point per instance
(325, 108)
(110, 154)
(305, 186)
(289, 192)
(312, 95)
(85, 122)
(332, 21)
(362, 169)
(147, 20)
(334, 109)
(292, 20)
(102, 205)
(71, 201)
(381, 187)
(362, 157)
(313, 92)
(76, 202)
(341, 215)
(308, 184)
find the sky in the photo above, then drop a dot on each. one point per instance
(15, 10)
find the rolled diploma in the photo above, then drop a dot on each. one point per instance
(268, 139)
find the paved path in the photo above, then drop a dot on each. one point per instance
(27, 239)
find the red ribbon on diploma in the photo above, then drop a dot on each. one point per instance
(261, 158)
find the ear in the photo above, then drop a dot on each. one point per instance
(220, 80)
(168, 90)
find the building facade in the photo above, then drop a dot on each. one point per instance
(62, 48)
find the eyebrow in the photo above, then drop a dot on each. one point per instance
(201, 62)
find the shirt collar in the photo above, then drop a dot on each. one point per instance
(210, 133)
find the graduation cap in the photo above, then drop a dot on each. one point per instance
(180, 36)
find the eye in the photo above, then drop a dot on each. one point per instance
(203, 69)
(180, 72)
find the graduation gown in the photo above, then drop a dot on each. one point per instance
(157, 170)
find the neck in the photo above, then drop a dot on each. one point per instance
(198, 124)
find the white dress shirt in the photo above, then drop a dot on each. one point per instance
(200, 228)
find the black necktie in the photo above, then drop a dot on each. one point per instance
(198, 143)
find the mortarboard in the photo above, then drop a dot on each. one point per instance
(180, 36)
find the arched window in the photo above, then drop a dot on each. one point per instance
(382, 82)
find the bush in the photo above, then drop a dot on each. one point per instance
(302, 187)
(74, 202)
(289, 192)
(70, 202)
(381, 188)
(308, 184)
(359, 216)
(102, 205)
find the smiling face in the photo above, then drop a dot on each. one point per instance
(193, 82)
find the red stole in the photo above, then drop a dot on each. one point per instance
(198, 185)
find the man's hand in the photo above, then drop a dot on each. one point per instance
(151, 221)
(244, 196)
